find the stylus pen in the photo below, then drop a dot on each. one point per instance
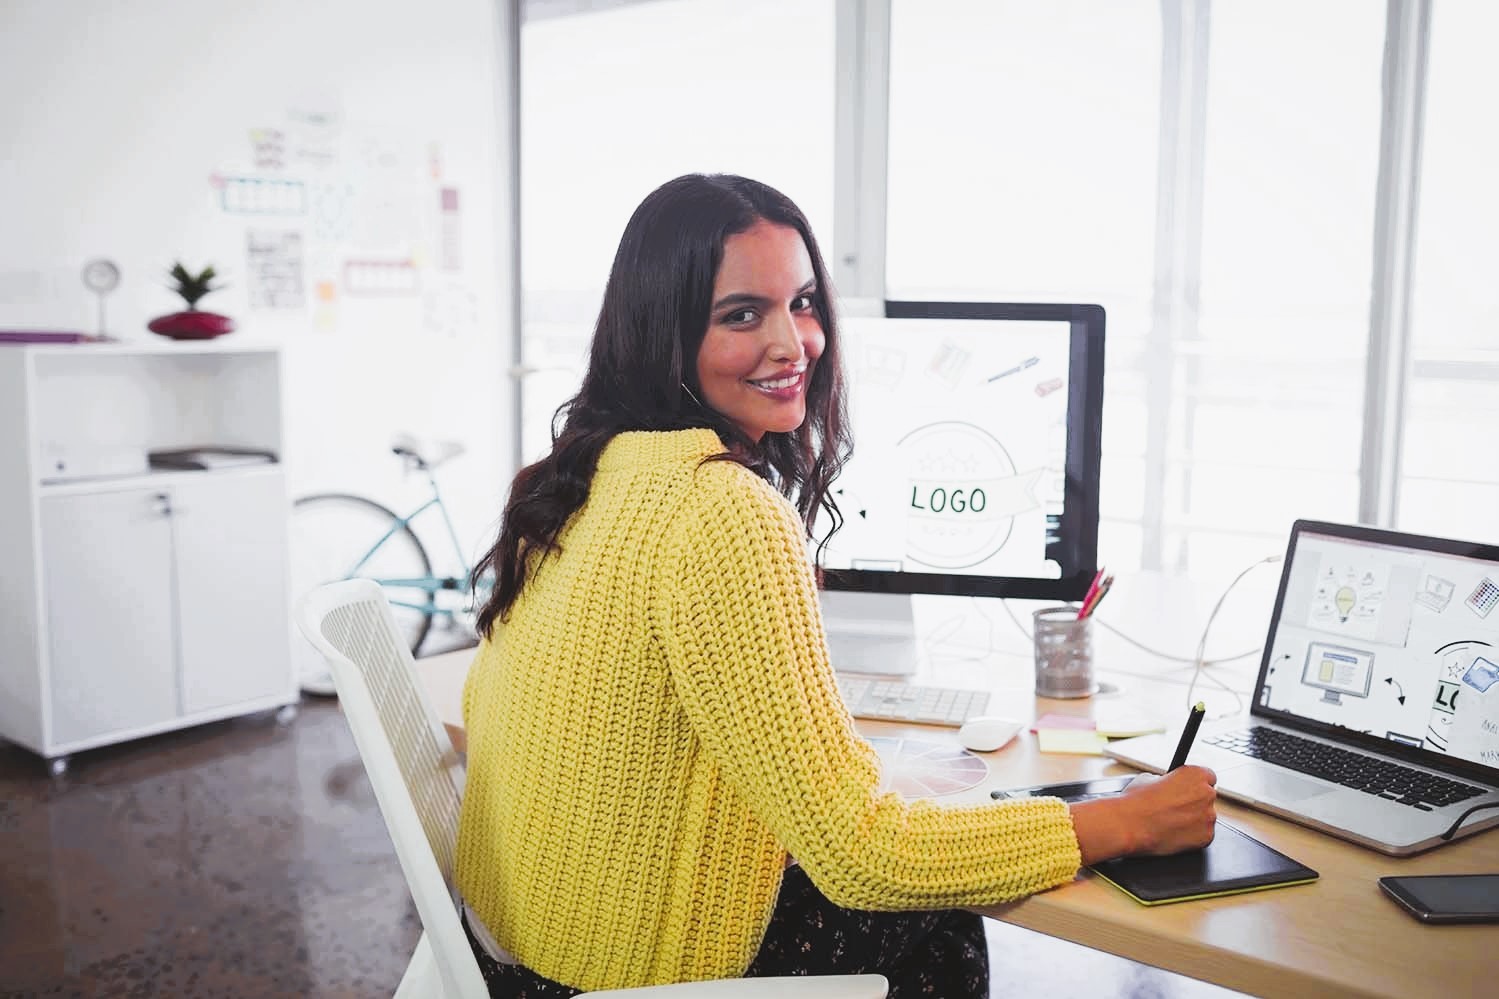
(1194, 722)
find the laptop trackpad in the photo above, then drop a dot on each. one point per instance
(1262, 784)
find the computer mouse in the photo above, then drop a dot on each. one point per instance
(987, 733)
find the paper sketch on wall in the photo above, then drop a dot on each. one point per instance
(450, 232)
(247, 195)
(449, 310)
(387, 219)
(331, 211)
(268, 148)
(275, 270)
(364, 278)
(376, 216)
(312, 138)
(964, 493)
(325, 304)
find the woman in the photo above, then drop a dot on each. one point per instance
(654, 728)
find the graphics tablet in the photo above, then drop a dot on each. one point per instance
(1232, 863)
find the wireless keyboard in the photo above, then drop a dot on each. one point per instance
(892, 701)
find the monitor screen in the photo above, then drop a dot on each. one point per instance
(1390, 635)
(976, 433)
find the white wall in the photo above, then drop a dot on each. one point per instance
(123, 126)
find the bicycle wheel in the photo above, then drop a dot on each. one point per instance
(332, 532)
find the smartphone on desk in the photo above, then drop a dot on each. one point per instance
(1446, 898)
(1070, 791)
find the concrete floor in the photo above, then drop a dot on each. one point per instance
(247, 858)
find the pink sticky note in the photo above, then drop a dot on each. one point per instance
(1055, 721)
(1076, 741)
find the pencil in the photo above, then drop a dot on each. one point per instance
(1092, 588)
(1090, 605)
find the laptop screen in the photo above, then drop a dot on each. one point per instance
(1390, 635)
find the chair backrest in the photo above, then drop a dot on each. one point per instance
(407, 754)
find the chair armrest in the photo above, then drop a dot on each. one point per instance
(808, 987)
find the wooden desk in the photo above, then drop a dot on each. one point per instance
(1336, 937)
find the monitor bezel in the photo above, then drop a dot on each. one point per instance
(1082, 463)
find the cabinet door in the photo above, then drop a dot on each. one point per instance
(233, 619)
(107, 562)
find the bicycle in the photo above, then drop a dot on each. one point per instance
(339, 536)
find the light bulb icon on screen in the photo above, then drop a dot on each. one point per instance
(1345, 599)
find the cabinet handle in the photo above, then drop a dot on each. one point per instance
(164, 504)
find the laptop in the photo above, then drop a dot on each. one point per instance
(1375, 716)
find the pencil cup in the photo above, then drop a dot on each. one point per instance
(1064, 653)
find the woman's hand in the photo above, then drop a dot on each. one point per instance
(1155, 815)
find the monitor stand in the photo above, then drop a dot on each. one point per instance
(870, 632)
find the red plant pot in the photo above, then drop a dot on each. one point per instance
(191, 325)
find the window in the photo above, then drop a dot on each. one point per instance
(1022, 167)
(1207, 172)
(1449, 458)
(615, 102)
(1057, 151)
(1267, 396)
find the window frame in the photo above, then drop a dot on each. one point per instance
(860, 165)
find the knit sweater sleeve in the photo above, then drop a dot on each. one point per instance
(745, 642)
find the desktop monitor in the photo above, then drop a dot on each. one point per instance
(975, 470)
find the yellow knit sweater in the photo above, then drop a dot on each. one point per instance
(657, 725)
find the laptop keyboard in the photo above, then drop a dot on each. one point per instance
(1369, 774)
(909, 702)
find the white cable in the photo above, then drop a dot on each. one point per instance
(977, 653)
(1203, 642)
(1190, 661)
(1186, 660)
(1006, 605)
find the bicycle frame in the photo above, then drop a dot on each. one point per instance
(429, 585)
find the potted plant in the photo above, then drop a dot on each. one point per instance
(192, 324)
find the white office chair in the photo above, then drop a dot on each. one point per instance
(410, 762)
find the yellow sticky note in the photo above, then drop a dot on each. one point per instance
(1128, 726)
(1070, 740)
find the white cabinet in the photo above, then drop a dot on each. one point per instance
(232, 589)
(135, 601)
(107, 563)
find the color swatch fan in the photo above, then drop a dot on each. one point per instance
(916, 768)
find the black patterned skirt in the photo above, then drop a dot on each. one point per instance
(940, 953)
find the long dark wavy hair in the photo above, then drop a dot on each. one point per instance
(652, 322)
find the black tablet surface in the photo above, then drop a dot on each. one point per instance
(1233, 862)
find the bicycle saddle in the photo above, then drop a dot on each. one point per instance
(426, 454)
